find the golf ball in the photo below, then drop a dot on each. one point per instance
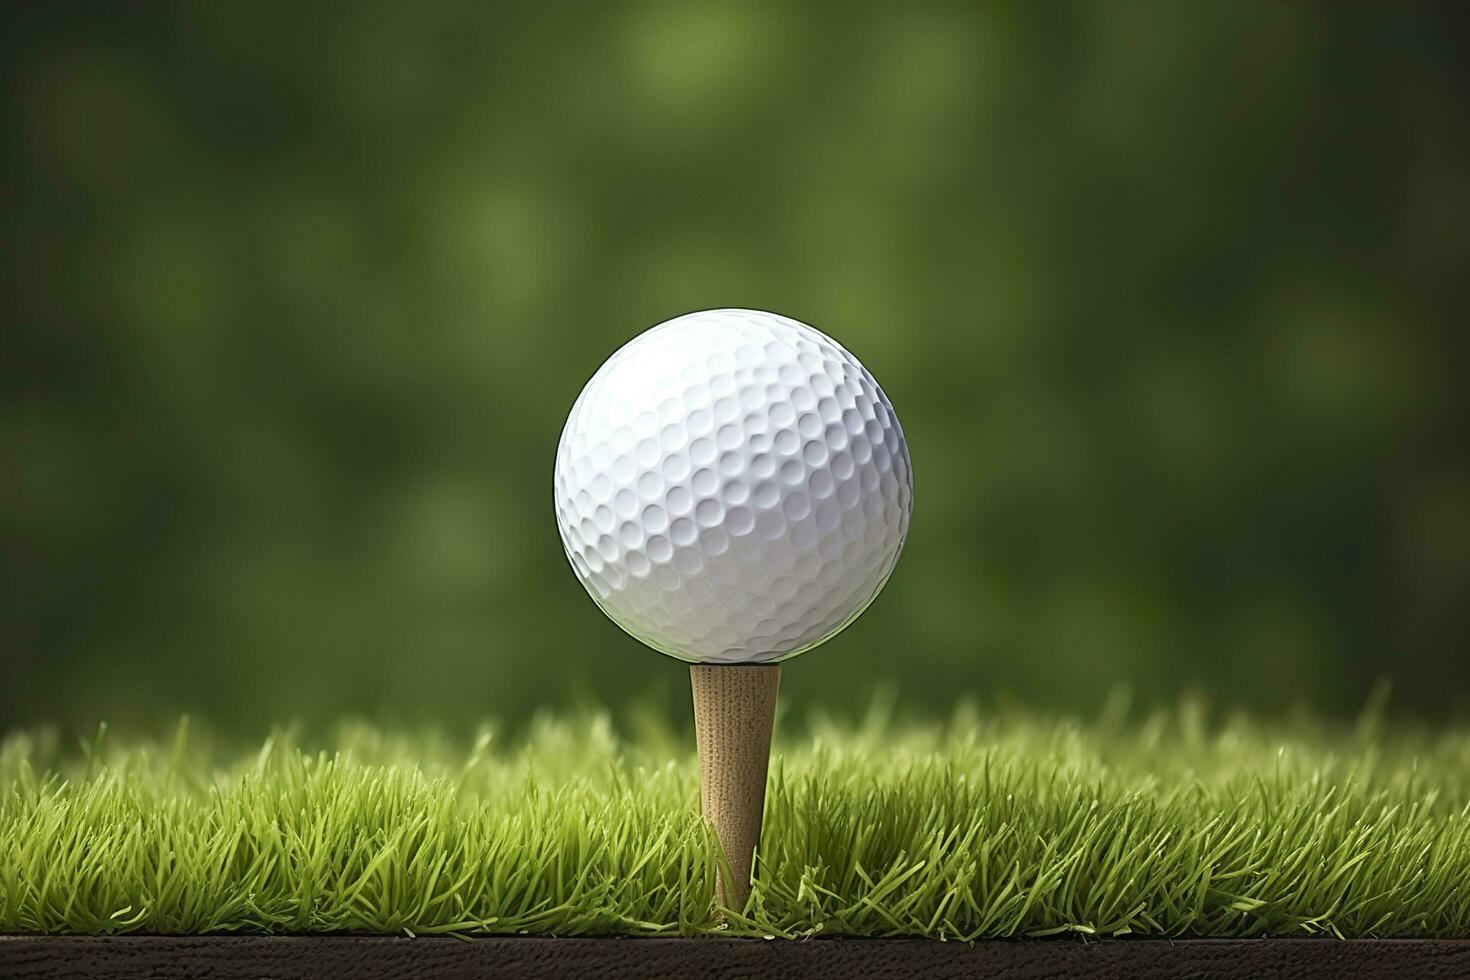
(732, 486)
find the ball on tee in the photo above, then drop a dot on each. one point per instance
(732, 486)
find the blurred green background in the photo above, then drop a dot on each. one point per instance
(1170, 298)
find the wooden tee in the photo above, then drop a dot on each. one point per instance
(734, 711)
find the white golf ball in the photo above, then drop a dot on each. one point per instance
(732, 486)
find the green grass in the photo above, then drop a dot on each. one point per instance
(993, 825)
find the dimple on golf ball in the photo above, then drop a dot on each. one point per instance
(732, 486)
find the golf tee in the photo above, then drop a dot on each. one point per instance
(734, 711)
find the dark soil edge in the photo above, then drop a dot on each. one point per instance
(540, 958)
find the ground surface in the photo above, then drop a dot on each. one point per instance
(539, 958)
(987, 826)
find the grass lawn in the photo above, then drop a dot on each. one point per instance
(982, 826)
